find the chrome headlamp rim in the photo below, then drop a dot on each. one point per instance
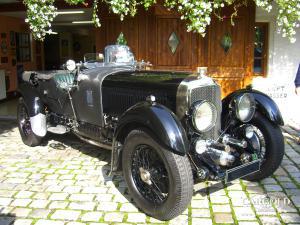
(71, 65)
(239, 100)
(196, 107)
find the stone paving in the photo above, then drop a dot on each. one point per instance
(66, 182)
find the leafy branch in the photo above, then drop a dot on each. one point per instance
(196, 13)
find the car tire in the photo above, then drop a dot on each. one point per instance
(170, 173)
(274, 147)
(27, 135)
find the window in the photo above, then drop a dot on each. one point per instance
(23, 47)
(261, 49)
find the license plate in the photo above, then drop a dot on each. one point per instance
(242, 171)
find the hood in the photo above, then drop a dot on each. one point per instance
(123, 89)
(166, 79)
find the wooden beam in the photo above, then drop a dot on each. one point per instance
(60, 4)
(19, 6)
(12, 7)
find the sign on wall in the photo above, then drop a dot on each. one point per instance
(283, 94)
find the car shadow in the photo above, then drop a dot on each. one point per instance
(7, 218)
(69, 140)
(7, 126)
(210, 188)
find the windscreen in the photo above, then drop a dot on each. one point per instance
(93, 57)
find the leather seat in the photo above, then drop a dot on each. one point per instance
(64, 80)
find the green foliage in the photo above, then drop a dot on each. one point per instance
(74, 2)
(95, 14)
(40, 14)
(288, 15)
(121, 39)
(226, 42)
(196, 13)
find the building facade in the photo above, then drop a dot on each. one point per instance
(282, 62)
(250, 52)
(160, 37)
(18, 51)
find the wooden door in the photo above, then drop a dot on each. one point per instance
(174, 45)
(149, 32)
(111, 29)
(232, 68)
(148, 36)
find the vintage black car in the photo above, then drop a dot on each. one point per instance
(167, 130)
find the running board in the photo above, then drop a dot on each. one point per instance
(242, 171)
(107, 146)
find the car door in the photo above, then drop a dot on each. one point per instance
(86, 99)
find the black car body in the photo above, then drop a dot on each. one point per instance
(166, 129)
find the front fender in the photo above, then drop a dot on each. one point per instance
(32, 99)
(36, 109)
(264, 104)
(163, 124)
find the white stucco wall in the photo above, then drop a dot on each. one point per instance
(283, 62)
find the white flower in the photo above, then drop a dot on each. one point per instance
(207, 19)
(201, 30)
(196, 13)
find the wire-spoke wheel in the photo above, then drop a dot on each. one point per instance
(28, 137)
(159, 181)
(149, 174)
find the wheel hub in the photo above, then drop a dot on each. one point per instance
(145, 176)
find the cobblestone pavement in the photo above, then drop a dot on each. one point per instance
(69, 185)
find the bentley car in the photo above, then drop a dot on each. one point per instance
(166, 130)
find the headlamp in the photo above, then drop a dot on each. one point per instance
(245, 107)
(204, 116)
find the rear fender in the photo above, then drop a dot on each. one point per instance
(264, 104)
(36, 109)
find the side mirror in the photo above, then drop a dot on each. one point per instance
(70, 65)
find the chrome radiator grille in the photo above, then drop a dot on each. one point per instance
(210, 93)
